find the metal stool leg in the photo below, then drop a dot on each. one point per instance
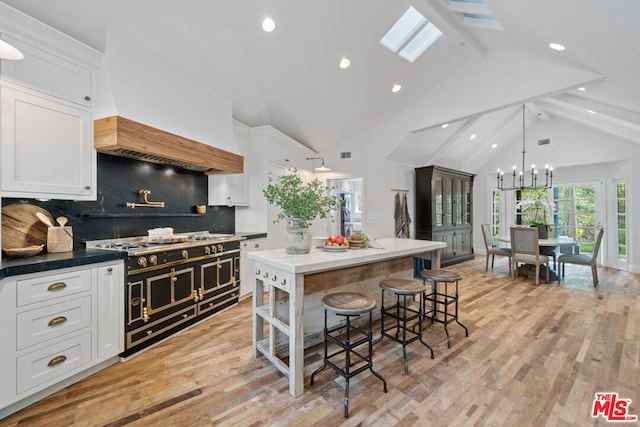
(384, 382)
(324, 359)
(466, 331)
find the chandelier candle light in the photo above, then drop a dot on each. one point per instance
(521, 185)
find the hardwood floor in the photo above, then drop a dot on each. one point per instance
(535, 355)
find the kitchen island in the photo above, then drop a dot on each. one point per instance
(291, 318)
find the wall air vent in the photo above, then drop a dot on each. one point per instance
(545, 141)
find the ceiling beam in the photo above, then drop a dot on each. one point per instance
(602, 121)
(451, 27)
(450, 142)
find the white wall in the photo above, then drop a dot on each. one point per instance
(380, 176)
(579, 155)
(135, 83)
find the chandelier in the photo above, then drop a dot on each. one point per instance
(521, 182)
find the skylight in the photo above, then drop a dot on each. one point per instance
(475, 13)
(411, 35)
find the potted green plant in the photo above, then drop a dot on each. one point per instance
(538, 211)
(300, 203)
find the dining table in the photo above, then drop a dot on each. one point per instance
(553, 242)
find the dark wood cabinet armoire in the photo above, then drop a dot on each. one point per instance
(444, 211)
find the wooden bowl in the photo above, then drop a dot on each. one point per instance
(23, 252)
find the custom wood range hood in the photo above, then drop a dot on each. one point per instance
(123, 137)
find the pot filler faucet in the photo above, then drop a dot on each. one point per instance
(147, 203)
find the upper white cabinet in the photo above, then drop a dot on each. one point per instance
(47, 73)
(45, 148)
(46, 135)
(231, 189)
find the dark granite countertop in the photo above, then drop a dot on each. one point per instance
(54, 261)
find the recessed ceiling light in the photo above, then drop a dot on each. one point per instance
(556, 46)
(445, 125)
(582, 89)
(472, 137)
(268, 24)
(396, 88)
(494, 146)
(591, 112)
(344, 63)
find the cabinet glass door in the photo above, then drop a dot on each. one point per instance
(457, 202)
(466, 206)
(438, 203)
(448, 200)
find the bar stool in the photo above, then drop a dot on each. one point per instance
(348, 304)
(440, 301)
(403, 312)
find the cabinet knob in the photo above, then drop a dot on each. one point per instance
(87, 187)
(87, 98)
(110, 270)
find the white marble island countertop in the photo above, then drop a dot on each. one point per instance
(320, 260)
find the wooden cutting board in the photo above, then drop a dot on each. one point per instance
(21, 227)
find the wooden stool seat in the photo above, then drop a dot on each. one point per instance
(348, 303)
(402, 286)
(441, 275)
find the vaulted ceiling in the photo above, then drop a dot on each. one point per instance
(473, 78)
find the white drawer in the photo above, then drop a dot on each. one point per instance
(42, 324)
(44, 288)
(52, 362)
(274, 277)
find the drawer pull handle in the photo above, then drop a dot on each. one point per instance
(57, 286)
(57, 320)
(57, 360)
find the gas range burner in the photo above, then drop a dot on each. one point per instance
(138, 245)
(123, 246)
(208, 236)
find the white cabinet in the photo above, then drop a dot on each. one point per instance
(58, 326)
(230, 189)
(246, 265)
(46, 136)
(47, 73)
(45, 147)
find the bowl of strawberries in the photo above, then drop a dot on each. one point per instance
(336, 243)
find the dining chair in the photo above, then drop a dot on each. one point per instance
(551, 251)
(525, 250)
(492, 249)
(584, 259)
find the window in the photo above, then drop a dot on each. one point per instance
(576, 216)
(495, 213)
(534, 207)
(621, 221)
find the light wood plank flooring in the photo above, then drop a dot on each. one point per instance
(535, 356)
